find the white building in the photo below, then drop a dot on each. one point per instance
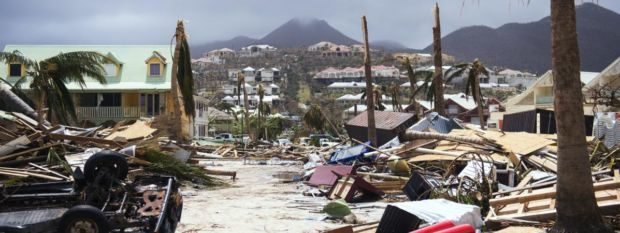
(256, 50)
(347, 87)
(356, 74)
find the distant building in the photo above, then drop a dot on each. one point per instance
(346, 87)
(256, 50)
(351, 74)
(329, 49)
(218, 56)
(422, 58)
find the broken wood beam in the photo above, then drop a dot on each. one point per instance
(85, 139)
(410, 135)
(600, 186)
(232, 174)
(11, 156)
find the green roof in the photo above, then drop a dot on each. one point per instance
(133, 73)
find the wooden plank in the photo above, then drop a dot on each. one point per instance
(33, 174)
(522, 184)
(48, 170)
(549, 194)
(84, 139)
(11, 156)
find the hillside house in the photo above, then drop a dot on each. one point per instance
(604, 89)
(138, 80)
(540, 94)
(356, 74)
(256, 50)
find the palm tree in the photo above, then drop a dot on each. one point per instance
(394, 91)
(49, 78)
(182, 82)
(576, 206)
(227, 107)
(377, 93)
(261, 95)
(472, 87)
(314, 118)
(246, 105)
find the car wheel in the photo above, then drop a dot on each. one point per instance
(111, 161)
(83, 219)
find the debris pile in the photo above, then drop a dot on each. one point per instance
(500, 179)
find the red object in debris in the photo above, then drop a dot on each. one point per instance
(435, 227)
(463, 228)
(324, 175)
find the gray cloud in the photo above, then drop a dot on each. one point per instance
(152, 22)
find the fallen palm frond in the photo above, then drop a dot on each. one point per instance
(165, 164)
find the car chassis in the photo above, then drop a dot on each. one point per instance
(98, 200)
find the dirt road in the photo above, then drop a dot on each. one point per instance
(258, 202)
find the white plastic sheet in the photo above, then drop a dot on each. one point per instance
(436, 210)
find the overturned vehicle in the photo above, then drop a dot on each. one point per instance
(100, 199)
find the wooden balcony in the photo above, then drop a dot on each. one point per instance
(98, 115)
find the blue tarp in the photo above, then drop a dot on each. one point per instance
(349, 154)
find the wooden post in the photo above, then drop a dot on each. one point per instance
(370, 105)
(438, 62)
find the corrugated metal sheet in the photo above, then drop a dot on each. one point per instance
(383, 120)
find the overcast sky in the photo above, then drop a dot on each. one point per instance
(152, 22)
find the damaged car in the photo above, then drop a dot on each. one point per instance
(99, 199)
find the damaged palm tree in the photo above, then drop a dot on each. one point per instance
(437, 58)
(473, 71)
(182, 82)
(49, 79)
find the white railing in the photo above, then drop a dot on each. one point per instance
(101, 114)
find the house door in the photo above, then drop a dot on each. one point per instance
(150, 104)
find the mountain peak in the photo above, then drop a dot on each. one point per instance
(302, 32)
(306, 21)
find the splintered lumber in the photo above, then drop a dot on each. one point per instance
(137, 130)
(548, 194)
(14, 145)
(84, 139)
(383, 176)
(13, 172)
(232, 174)
(11, 156)
(23, 161)
(48, 170)
(410, 135)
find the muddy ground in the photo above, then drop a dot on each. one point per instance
(259, 202)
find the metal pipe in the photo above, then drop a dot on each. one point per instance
(164, 207)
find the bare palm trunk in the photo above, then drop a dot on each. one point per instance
(16, 103)
(576, 206)
(176, 128)
(247, 111)
(438, 79)
(479, 102)
(40, 114)
(370, 105)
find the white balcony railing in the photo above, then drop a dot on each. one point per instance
(101, 114)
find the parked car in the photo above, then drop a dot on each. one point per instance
(227, 137)
(100, 199)
(283, 142)
(304, 141)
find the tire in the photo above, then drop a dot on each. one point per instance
(83, 218)
(113, 161)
